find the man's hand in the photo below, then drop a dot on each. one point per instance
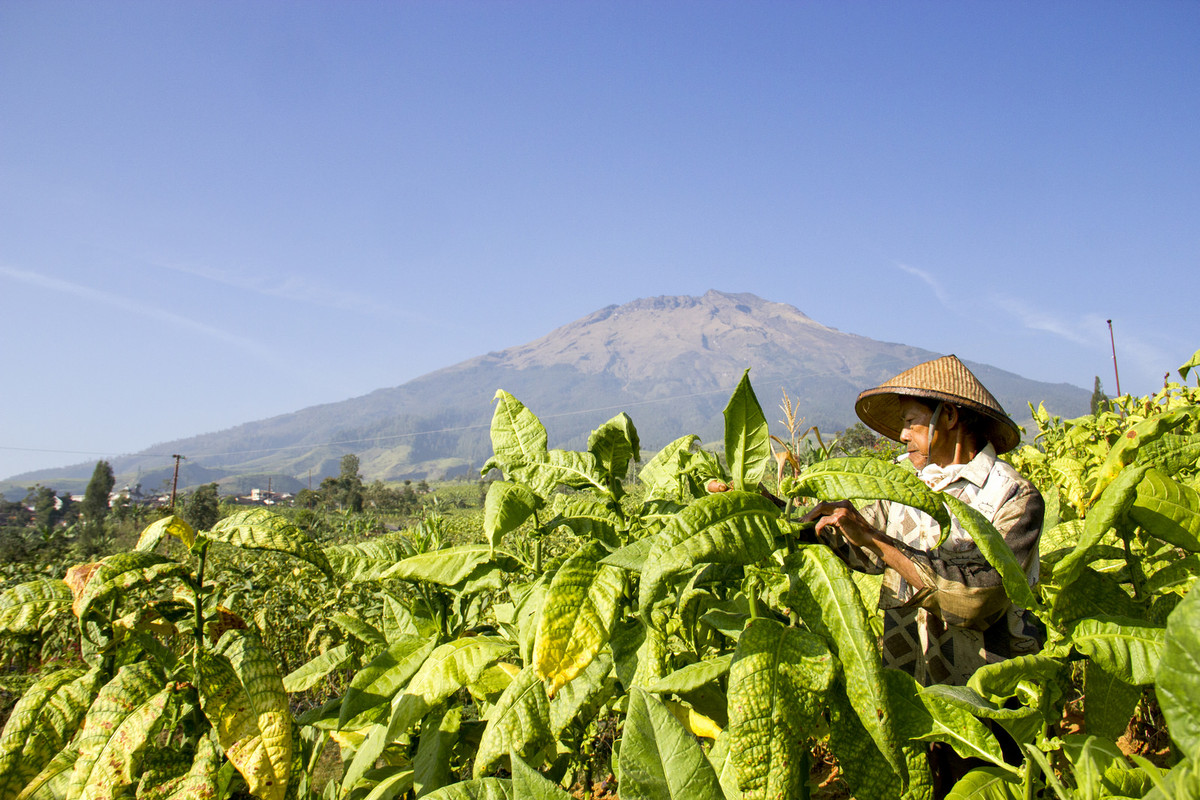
(841, 517)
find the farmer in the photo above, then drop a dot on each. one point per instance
(945, 611)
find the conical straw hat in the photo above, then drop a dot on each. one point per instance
(946, 379)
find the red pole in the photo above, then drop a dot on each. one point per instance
(1114, 351)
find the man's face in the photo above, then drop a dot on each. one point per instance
(915, 431)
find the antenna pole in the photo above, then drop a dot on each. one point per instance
(175, 480)
(1114, 351)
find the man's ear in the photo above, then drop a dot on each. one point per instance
(950, 414)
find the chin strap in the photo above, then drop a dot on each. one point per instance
(933, 421)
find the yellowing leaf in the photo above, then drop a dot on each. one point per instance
(243, 696)
(577, 616)
(696, 723)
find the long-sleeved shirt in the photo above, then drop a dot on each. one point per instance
(962, 618)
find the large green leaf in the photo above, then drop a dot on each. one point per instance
(660, 475)
(439, 734)
(824, 594)
(1125, 649)
(120, 723)
(993, 548)
(506, 508)
(1022, 722)
(242, 694)
(482, 789)
(869, 479)
(120, 574)
(1106, 514)
(30, 607)
(578, 615)
(587, 518)
(365, 561)
(929, 717)
(529, 784)
(1092, 594)
(260, 529)
(198, 782)
(54, 781)
(872, 777)
(777, 686)
(374, 686)
(1110, 702)
(987, 783)
(659, 759)
(1178, 680)
(1168, 510)
(42, 722)
(447, 567)
(747, 441)
(615, 444)
(1172, 453)
(568, 468)
(727, 528)
(518, 437)
(693, 676)
(447, 669)
(519, 722)
(1125, 449)
(582, 698)
(310, 674)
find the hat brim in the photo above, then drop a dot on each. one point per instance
(881, 410)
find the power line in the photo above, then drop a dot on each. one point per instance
(411, 434)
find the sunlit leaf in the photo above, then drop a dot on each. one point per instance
(242, 694)
(42, 722)
(120, 723)
(520, 722)
(747, 442)
(778, 683)
(506, 508)
(727, 528)
(30, 607)
(578, 615)
(260, 529)
(659, 759)
(1178, 679)
(171, 525)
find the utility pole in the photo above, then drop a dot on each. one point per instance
(175, 480)
(1114, 351)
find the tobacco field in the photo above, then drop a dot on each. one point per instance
(613, 629)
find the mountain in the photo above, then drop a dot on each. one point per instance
(671, 363)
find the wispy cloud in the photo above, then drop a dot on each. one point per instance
(155, 313)
(1139, 358)
(929, 280)
(293, 288)
(1082, 329)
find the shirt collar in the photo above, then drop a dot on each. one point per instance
(976, 470)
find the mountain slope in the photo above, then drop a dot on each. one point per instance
(669, 362)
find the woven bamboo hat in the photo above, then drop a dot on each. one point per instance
(946, 379)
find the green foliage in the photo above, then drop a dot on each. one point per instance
(695, 643)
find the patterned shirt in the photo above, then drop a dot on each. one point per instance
(962, 619)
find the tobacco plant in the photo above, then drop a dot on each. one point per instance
(690, 643)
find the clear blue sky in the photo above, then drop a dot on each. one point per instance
(212, 213)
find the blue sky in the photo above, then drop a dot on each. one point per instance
(212, 213)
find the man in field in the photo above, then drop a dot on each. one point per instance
(945, 611)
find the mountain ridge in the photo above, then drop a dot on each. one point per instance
(669, 361)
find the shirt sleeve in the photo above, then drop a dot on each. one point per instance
(962, 588)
